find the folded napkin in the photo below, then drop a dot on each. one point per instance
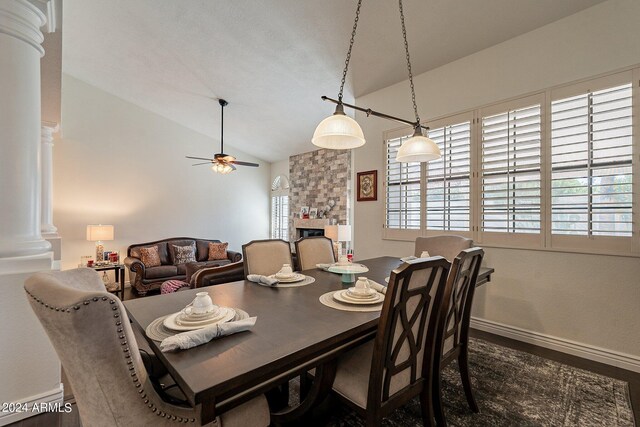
(378, 287)
(257, 278)
(195, 338)
(408, 258)
(323, 266)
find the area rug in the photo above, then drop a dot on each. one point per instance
(514, 388)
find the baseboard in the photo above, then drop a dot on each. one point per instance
(51, 397)
(585, 351)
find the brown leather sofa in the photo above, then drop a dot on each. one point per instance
(144, 279)
(199, 277)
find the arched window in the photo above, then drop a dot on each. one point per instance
(280, 208)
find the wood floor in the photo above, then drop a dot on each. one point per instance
(72, 419)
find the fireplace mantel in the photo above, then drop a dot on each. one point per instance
(317, 224)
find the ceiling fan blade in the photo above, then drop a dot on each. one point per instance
(203, 163)
(198, 158)
(238, 162)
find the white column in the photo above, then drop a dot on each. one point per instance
(48, 229)
(20, 53)
(29, 367)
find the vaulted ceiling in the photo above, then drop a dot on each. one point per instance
(272, 60)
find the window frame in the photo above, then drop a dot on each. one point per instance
(545, 240)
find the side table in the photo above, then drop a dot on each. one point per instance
(119, 272)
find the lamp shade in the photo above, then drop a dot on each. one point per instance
(338, 132)
(418, 148)
(99, 232)
(338, 233)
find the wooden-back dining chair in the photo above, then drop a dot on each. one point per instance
(385, 373)
(266, 257)
(314, 250)
(455, 340)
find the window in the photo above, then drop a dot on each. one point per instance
(511, 170)
(556, 170)
(591, 163)
(280, 217)
(448, 188)
(280, 208)
(402, 190)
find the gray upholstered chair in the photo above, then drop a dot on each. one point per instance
(383, 374)
(265, 257)
(445, 245)
(90, 331)
(455, 341)
(314, 250)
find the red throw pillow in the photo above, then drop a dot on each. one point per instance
(217, 251)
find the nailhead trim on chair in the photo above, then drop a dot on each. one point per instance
(125, 350)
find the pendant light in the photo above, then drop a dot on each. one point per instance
(418, 148)
(342, 132)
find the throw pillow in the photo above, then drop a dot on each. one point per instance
(150, 256)
(184, 254)
(171, 286)
(217, 251)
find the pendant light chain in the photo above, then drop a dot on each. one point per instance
(346, 62)
(406, 49)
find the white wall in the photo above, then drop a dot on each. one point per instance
(588, 299)
(120, 164)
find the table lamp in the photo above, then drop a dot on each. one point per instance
(98, 233)
(338, 233)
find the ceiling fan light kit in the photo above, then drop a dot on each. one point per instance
(222, 163)
(342, 132)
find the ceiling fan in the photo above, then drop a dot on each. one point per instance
(222, 163)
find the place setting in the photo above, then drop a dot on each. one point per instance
(366, 295)
(285, 278)
(198, 323)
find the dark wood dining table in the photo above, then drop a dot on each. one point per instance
(293, 333)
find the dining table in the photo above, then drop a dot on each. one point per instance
(293, 333)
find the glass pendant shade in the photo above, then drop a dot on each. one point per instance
(222, 168)
(338, 132)
(418, 148)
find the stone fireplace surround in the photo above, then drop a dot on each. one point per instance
(315, 178)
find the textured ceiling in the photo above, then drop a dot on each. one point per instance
(272, 60)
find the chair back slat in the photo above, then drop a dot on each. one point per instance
(406, 340)
(463, 277)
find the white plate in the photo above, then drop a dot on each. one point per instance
(352, 293)
(198, 320)
(343, 296)
(297, 277)
(170, 321)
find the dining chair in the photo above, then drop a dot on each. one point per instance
(385, 373)
(90, 331)
(266, 257)
(455, 340)
(314, 250)
(448, 246)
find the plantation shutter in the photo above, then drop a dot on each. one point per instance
(280, 217)
(591, 163)
(510, 170)
(402, 190)
(448, 190)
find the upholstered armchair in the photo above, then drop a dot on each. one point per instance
(314, 250)
(93, 338)
(447, 246)
(266, 257)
